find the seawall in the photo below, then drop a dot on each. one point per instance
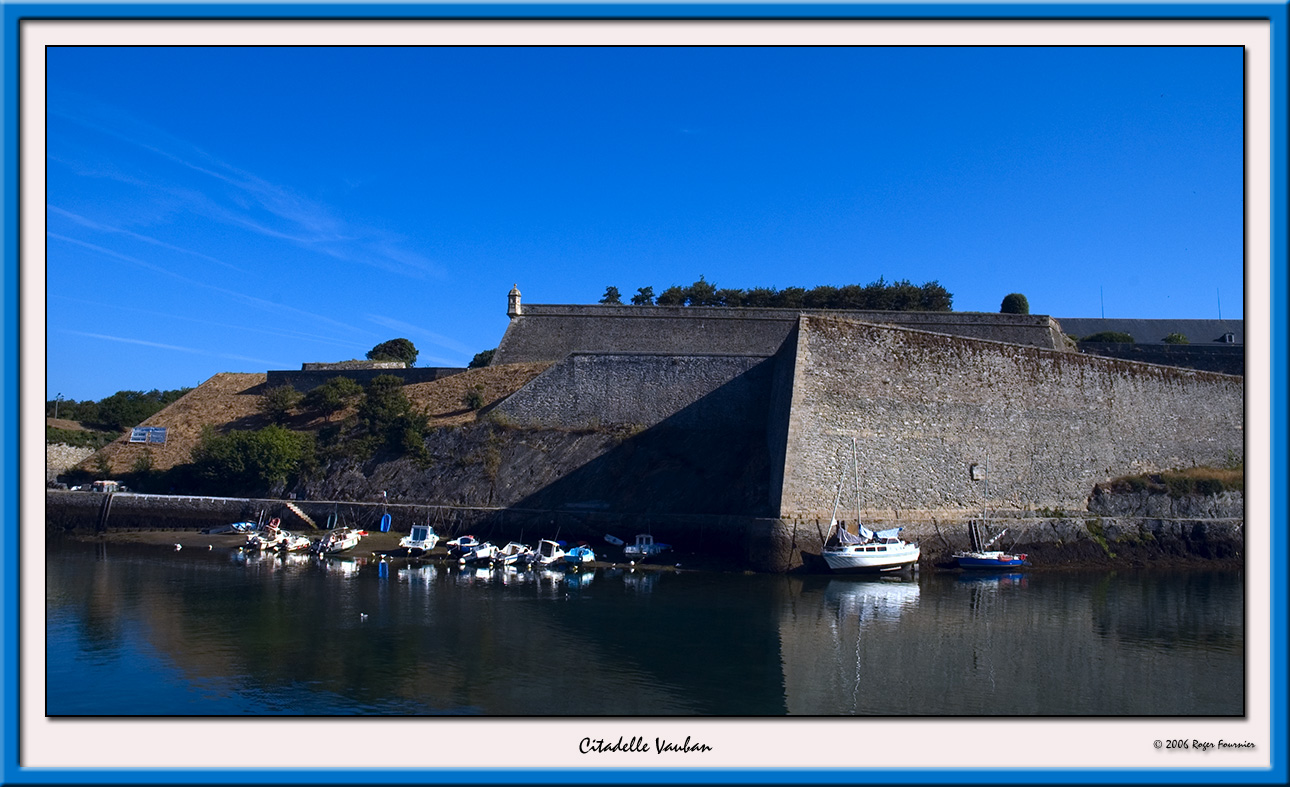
(946, 427)
(756, 543)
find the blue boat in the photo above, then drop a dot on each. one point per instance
(980, 557)
(579, 555)
(991, 561)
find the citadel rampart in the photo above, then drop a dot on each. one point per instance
(697, 392)
(550, 332)
(1224, 359)
(1037, 428)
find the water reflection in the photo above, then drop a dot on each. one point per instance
(340, 635)
(874, 599)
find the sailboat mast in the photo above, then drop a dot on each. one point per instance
(837, 498)
(855, 464)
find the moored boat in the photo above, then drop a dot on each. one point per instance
(864, 551)
(481, 553)
(980, 557)
(548, 552)
(459, 546)
(645, 547)
(579, 555)
(336, 541)
(421, 540)
(512, 554)
(267, 538)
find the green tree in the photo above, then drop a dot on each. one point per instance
(821, 297)
(905, 297)
(643, 297)
(790, 298)
(701, 293)
(877, 296)
(278, 402)
(332, 396)
(760, 297)
(481, 359)
(935, 298)
(125, 409)
(612, 296)
(394, 350)
(672, 296)
(1176, 338)
(850, 296)
(249, 462)
(733, 298)
(1014, 303)
(1109, 337)
(383, 403)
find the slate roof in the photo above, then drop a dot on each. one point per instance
(1198, 332)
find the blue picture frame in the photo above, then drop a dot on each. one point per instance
(14, 772)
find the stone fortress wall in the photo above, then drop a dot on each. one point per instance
(548, 333)
(1040, 427)
(643, 390)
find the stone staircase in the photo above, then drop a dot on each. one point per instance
(295, 509)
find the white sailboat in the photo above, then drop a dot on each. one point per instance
(865, 551)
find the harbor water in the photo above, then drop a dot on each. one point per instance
(147, 630)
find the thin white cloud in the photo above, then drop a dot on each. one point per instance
(252, 327)
(175, 347)
(272, 309)
(94, 225)
(258, 205)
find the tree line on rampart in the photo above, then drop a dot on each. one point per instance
(876, 296)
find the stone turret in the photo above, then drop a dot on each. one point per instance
(513, 302)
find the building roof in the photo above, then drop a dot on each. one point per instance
(1201, 332)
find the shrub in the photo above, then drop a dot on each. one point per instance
(332, 396)
(1109, 337)
(250, 462)
(394, 350)
(1176, 338)
(482, 359)
(1014, 303)
(474, 398)
(81, 438)
(278, 402)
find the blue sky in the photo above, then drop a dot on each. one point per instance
(242, 209)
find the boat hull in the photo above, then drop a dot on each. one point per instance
(856, 560)
(989, 561)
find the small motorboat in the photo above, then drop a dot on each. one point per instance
(512, 554)
(337, 541)
(459, 546)
(645, 547)
(579, 555)
(266, 539)
(482, 553)
(549, 552)
(421, 540)
(290, 542)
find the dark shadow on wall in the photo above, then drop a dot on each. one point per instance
(709, 458)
